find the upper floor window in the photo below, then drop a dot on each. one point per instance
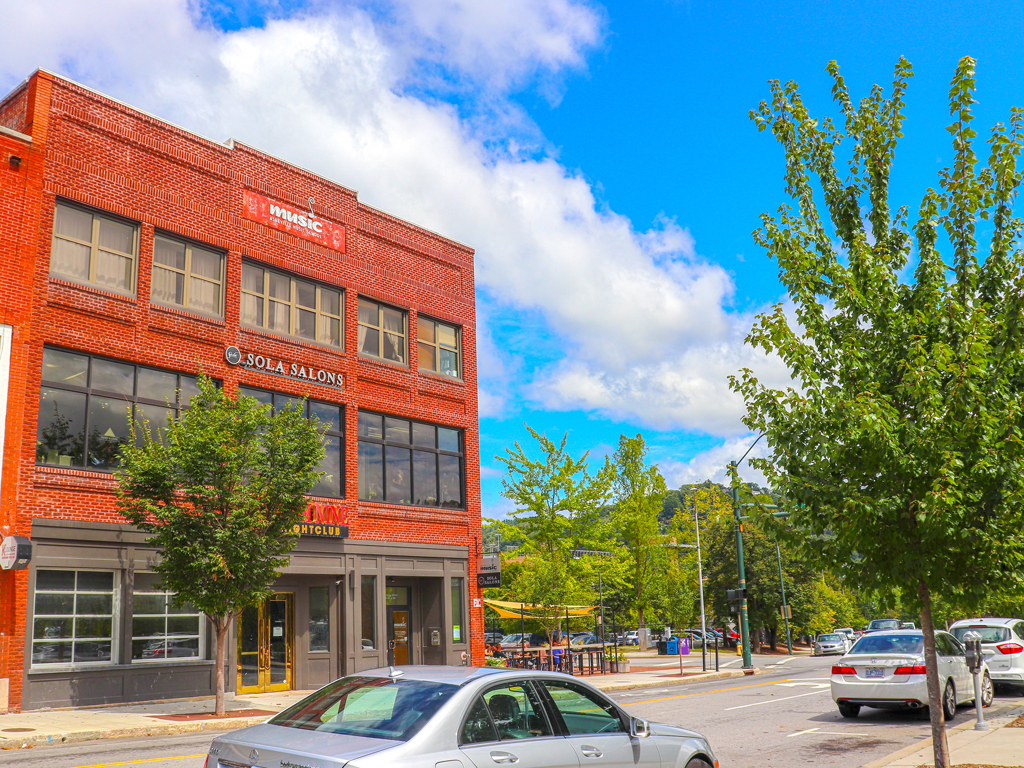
(382, 331)
(85, 402)
(90, 247)
(438, 346)
(409, 462)
(331, 484)
(291, 306)
(188, 275)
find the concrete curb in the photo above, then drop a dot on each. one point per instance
(158, 728)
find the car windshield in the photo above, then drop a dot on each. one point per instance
(829, 639)
(988, 634)
(884, 624)
(378, 707)
(889, 644)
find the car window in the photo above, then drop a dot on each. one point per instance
(583, 711)
(478, 727)
(1019, 628)
(516, 712)
(958, 649)
(943, 646)
(829, 639)
(988, 634)
(377, 707)
(889, 644)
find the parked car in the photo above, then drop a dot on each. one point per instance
(490, 638)
(517, 639)
(831, 644)
(632, 637)
(848, 631)
(1002, 640)
(730, 636)
(886, 669)
(586, 640)
(907, 625)
(877, 625)
(421, 716)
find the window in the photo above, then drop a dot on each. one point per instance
(582, 711)
(438, 345)
(516, 712)
(382, 331)
(319, 619)
(331, 485)
(290, 306)
(409, 462)
(91, 247)
(368, 598)
(457, 636)
(478, 728)
(188, 275)
(84, 404)
(161, 631)
(73, 621)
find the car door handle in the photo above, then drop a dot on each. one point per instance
(504, 757)
(590, 751)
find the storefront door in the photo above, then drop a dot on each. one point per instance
(265, 654)
(399, 618)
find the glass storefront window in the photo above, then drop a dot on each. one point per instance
(368, 598)
(458, 630)
(409, 462)
(161, 631)
(319, 619)
(74, 617)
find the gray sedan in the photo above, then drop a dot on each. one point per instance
(459, 717)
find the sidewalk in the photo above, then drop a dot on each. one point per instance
(53, 727)
(998, 746)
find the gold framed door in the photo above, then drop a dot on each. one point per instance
(266, 646)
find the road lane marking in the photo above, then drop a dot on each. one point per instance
(806, 683)
(780, 662)
(702, 693)
(819, 732)
(801, 733)
(771, 701)
(137, 761)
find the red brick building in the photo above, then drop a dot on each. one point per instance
(138, 255)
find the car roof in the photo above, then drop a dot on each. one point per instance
(899, 632)
(987, 622)
(432, 673)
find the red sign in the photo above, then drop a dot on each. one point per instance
(299, 222)
(326, 513)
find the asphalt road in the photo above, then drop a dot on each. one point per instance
(784, 717)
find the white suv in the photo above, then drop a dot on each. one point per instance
(1003, 643)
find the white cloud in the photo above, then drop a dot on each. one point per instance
(712, 464)
(338, 89)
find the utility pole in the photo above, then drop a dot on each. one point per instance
(744, 626)
(785, 607)
(700, 579)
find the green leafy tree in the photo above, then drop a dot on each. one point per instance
(638, 490)
(219, 495)
(557, 504)
(899, 448)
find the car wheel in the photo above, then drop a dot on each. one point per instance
(848, 710)
(949, 701)
(698, 762)
(987, 691)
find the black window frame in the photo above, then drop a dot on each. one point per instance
(244, 389)
(91, 392)
(555, 714)
(545, 708)
(437, 451)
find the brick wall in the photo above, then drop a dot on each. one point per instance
(91, 149)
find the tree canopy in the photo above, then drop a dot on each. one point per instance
(898, 447)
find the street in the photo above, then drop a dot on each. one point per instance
(782, 717)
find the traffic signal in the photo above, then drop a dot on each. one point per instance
(735, 594)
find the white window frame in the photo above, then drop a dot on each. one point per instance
(183, 660)
(115, 623)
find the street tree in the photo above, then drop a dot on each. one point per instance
(220, 491)
(556, 516)
(638, 489)
(898, 447)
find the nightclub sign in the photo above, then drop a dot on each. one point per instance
(330, 520)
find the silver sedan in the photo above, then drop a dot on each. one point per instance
(459, 717)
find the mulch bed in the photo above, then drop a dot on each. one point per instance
(1018, 723)
(210, 716)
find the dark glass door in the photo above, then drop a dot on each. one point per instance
(265, 646)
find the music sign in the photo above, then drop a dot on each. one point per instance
(488, 572)
(304, 223)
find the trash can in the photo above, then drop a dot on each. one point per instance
(684, 646)
(662, 647)
(672, 647)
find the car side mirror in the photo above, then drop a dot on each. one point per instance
(639, 728)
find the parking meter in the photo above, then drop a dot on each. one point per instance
(975, 655)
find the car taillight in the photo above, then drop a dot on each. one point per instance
(1010, 648)
(844, 671)
(911, 671)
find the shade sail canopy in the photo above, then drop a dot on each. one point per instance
(507, 609)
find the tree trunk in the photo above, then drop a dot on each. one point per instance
(221, 624)
(939, 744)
(773, 638)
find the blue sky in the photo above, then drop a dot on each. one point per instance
(599, 157)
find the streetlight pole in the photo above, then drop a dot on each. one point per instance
(700, 580)
(744, 619)
(785, 612)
